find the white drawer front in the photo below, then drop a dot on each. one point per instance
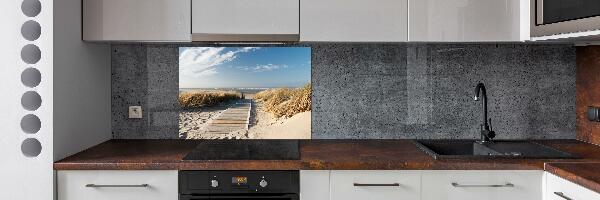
(162, 185)
(567, 189)
(482, 185)
(343, 188)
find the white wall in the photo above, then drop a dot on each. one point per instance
(82, 86)
(22, 177)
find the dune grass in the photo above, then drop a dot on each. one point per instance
(286, 102)
(200, 99)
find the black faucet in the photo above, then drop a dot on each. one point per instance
(487, 134)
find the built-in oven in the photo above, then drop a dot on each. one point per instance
(552, 17)
(238, 185)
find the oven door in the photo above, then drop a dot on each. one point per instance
(551, 17)
(241, 196)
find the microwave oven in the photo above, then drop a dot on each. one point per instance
(554, 17)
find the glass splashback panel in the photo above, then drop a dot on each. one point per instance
(245, 92)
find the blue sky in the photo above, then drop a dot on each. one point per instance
(248, 67)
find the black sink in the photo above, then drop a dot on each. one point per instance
(469, 149)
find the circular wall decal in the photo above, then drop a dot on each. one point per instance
(31, 147)
(31, 124)
(31, 54)
(31, 100)
(31, 8)
(31, 77)
(31, 30)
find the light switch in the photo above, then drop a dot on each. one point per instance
(135, 112)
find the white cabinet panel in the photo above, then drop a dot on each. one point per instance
(314, 185)
(354, 20)
(162, 185)
(560, 189)
(468, 20)
(136, 20)
(215, 19)
(482, 185)
(344, 185)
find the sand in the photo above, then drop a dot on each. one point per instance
(295, 127)
(266, 126)
(192, 123)
(263, 125)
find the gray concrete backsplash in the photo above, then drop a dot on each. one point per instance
(382, 91)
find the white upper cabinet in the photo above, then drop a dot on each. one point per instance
(245, 20)
(468, 20)
(354, 20)
(136, 20)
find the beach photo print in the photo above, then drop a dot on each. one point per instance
(245, 92)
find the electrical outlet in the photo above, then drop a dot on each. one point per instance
(135, 112)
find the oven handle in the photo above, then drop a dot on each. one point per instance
(285, 196)
(376, 184)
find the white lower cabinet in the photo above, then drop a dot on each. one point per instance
(482, 185)
(375, 185)
(117, 185)
(341, 185)
(560, 189)
(314, 184)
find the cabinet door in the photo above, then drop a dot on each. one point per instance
(482, 185)
(314, 185)
(136, 20)
(375, 185)
(353, 20)
(468, 21)
(245, 20)
(117, 185)
(560, 189)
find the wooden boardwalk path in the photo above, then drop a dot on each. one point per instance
(234, 118)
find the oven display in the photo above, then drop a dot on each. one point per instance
(239, 180)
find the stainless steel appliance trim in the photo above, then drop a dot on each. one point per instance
(492, 185)
(539, 12)
(572, 26)
(376, 184)
(115, 186)
(562, 195)
(215, 37)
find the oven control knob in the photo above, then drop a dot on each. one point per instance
(263, 183)
(214, 183)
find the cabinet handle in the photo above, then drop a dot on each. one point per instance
(562, 195)
(376, 184)
(115, 186)
(470, 186)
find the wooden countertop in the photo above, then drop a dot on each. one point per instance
(314, 155)
(584, 174)
(331, 155)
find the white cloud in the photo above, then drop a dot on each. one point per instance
(267, 67)
(207, 72)
(243, 68)
(197, 62)
(247, 49)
